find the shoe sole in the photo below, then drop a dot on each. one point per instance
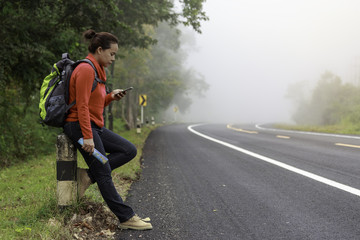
(135, 228)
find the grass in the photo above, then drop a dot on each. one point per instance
(28, 199)
(337, 129)
(28, 205)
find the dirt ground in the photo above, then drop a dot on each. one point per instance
(95, 220)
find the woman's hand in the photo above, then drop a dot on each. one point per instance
(88, 145)
(117, 94)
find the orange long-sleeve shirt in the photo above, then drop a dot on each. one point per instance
(89, 105)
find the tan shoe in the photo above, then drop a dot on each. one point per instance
(83, 181)
(135, 223)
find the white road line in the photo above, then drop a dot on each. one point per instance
(280, 164)
(258, 126)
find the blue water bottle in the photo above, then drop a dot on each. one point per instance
(96, 153)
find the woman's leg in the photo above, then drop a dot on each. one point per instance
(120, 151)
(100, 173)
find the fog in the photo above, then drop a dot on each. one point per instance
(251, 50)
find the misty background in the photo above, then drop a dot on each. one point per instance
(250, 52)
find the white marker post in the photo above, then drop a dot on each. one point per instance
(66, 165)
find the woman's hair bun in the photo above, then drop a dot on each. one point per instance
(89, 34)
(101, 39)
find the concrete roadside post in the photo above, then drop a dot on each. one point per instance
(66, 165)
(138, 125)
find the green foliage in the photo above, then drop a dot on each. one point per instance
(35, 33)
(160, 73)
(192, 11)
(23, 136)
(134, 14)
(169, 81)
(330, 103)
(28, 193)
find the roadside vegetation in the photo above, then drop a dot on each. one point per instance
(28, 203)
(150, 58)
(337, 129)
(329, 106)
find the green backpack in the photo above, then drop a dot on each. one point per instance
(54, 92)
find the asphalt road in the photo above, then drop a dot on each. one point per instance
(246, 182)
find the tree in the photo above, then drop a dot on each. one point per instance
(35, 33)
(132, 71)
(159, 72)
(331, 102)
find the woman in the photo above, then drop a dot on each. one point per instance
(85, 120)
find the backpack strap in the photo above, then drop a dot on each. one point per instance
(96, 80)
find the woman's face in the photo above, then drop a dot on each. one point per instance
(107, 57)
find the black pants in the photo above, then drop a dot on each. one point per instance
(120, 151)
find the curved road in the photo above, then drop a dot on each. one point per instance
(247, 182)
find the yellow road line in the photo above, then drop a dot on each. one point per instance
(241, 130)
(347, 145)
(284, 137)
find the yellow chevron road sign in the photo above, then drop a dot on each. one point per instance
(142, 100)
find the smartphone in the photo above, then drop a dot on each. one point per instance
(125, 90)
(128, 89)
